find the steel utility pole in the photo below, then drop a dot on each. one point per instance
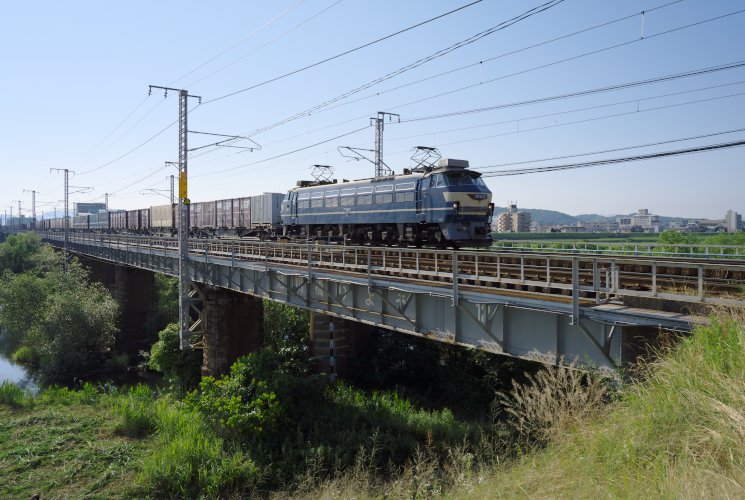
(183, 213)
(33, 205)
(66, 216)
(172, 164)
(380, 168)
(19, 213)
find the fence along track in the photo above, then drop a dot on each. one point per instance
(599, 277)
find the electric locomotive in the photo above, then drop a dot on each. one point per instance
(444, 205)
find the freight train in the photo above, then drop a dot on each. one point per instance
(252, 216)
(442, 205)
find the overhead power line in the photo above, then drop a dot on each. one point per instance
(346, 52)
(243, 39)
(440, 53)
(283, 154)
(582, 93)
(269, 42)
(611, 161)
(577, 110)
(625, 148)
(325, 106)
(517, 51)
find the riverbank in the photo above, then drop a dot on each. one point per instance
(679, 432)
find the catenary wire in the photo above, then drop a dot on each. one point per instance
(239, 59)
(582, 93)
(611, 161)
(614, 150)
(327, 108)
(243, 39)
(342, 54)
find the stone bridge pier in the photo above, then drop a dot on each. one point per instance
(134, 291)
(334, 341)
(232, 325)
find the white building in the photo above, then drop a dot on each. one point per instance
(732, 221)
(513, 221)
(642, 220)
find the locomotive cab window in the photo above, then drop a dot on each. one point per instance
(463, 180)
(303, 200)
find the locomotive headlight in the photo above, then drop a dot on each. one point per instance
(456, 207)
(490, 211)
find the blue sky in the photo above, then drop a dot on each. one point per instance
(76, 75)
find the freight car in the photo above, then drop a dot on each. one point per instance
(446, 205)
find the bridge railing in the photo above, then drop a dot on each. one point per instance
(556, 277)
(690, 250)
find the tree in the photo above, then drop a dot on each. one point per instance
(286, 333)
(180, 368)
(17, 251)
(75, 332)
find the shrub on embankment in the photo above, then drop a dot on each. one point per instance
(62, 324)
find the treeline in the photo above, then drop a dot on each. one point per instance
(60, 324)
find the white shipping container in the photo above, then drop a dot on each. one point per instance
(265, 209)
(161, 216)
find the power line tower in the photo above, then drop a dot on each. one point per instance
(66, 219)
(381, 169)
(33, 205)
(183, 214)
(175, 165)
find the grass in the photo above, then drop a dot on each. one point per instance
(678, 431)
(64, 450)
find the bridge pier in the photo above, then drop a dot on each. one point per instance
(233, 326)
(134, 291)
(100, 272)
(334, 341)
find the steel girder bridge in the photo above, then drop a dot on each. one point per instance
(554, 308)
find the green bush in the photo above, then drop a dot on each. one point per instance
(286, 333)
(180, 368)
(239, 403)
(26, 356)
(290, 424)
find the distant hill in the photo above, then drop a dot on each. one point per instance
(554, 218)
(545, 217)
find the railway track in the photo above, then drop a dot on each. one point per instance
(592, 277)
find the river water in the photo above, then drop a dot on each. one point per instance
(12, 372)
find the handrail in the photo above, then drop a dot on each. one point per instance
(598, 277)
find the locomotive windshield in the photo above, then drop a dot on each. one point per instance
(442, 180)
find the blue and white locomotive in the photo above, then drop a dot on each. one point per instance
(445, 205)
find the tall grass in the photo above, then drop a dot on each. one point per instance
(11, 395)
(679, 433)
(190, 460)
(137, 411)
